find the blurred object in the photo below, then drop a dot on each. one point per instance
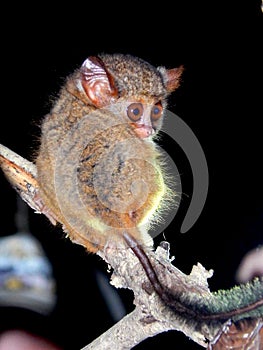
(25, 274)
(15, 339)
(111, 297)
(250, 266)
(246, 334)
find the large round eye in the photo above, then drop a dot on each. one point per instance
(135, 111)
(156, 112)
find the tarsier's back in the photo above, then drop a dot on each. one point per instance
(100, 173)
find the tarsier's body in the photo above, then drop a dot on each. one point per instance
(104, 101)
(99, 171)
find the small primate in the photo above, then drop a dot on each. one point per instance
(102, 175)
(99, 171)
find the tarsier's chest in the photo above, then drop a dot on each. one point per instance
(119, 177)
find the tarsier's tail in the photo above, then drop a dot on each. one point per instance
(237, 303)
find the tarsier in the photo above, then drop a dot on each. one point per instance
(102, 176)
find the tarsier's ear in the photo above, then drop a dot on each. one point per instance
(97, 82)
(173, 78)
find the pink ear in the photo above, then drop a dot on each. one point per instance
(97, 82)
(173, 77)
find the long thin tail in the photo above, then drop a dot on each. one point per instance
(201, 311)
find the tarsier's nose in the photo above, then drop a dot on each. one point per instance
(144, 131)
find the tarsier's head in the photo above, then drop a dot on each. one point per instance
(142, 88)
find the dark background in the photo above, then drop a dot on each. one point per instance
(220, 45)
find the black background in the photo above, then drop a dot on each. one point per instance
(220, 45)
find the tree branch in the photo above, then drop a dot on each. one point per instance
(150, 316)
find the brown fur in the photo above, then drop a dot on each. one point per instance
(91, 162)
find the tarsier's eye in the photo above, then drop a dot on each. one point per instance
(135, 111)
(156, 112)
